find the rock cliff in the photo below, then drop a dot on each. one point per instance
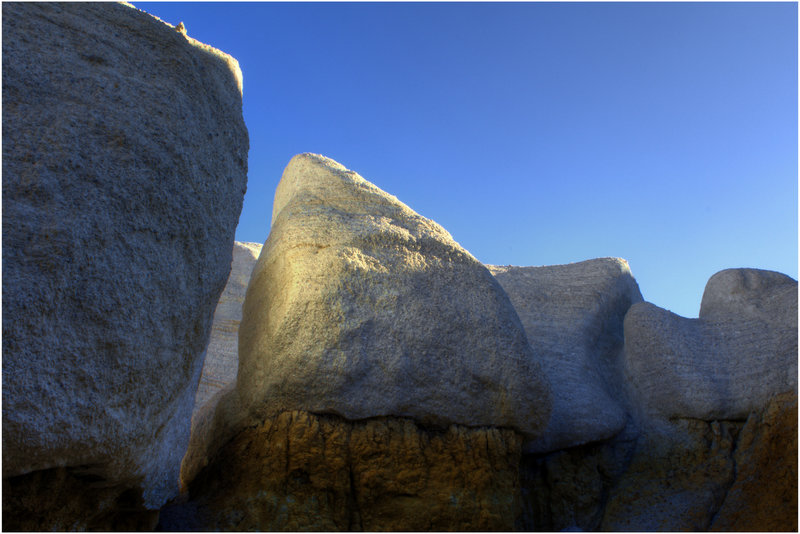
(222, 356)
(727, 363)
(212, 422)
(124, 170)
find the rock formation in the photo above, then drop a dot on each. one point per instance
(360, 307)
(384, 379)
(222, 357)
(212, 422)
(712, 475)
(299, 471)
(573, 317)
(724, 365)
(694, 383)
(763, 495)
(124, 170)
(613, 456)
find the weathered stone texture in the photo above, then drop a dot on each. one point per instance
(212, 423)
(676, 480)
(568, 489)
(727, 363)
(301, 471)
(763, 496)
(360, 307)
(573, 316)
(72, 499)
(222, 356)
(124, 169)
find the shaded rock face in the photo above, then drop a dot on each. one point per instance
(699, 475)
(717, 475)
(568, 489)
(222, 357)
(675, 481)
(124, 170)
(573, 316)
(360, 307)
(763, 496)
(302, 471)
(724, 365)
(212, 423)
(72, 499)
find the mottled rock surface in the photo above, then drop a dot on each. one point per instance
(72, 499)
(300, 471)
(763, 496)
(727, 363)
(573, 316)
(676, 481)
(360, 307)
(124, 169)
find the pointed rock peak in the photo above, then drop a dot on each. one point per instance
(320, 189)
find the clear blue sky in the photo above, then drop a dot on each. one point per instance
(537, 133)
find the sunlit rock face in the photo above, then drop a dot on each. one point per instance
(360, 307)
(124, 170)
(573, 317)
(727, 363)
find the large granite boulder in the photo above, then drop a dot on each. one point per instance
(729, 362)
(573, 317)
(360, 307)
(124, 170)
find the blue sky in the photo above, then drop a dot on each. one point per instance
(537, 133)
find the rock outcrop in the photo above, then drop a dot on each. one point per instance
(724, 365)
(694, 383)
(360, 307)
(124, 170)
(712, 475)
(609, 458)
(573, 317)
(300, 471)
